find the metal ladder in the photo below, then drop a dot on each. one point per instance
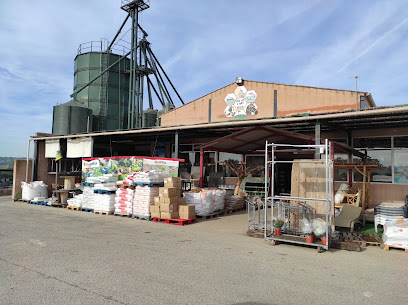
(103, 92)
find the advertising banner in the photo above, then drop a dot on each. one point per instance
(123, 166)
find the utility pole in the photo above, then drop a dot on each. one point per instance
(356, 93)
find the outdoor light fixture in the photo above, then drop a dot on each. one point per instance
(239, 81)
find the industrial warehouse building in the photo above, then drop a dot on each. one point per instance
(108, 117)
(378, 132)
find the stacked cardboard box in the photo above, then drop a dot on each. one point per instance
(169, 204)
(168, 198)
(187, 211)
(166, 204)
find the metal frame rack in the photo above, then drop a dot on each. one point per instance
(276, 200)
(254, 213)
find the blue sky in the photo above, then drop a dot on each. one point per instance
(203, 45)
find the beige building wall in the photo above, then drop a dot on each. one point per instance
(19, 174)
(291, 100)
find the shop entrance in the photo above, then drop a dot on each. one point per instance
(283, 178)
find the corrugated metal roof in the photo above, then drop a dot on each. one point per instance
(379, 117)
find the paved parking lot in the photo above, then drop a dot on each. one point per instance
(58, 256)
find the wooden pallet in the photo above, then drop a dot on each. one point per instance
(125, 186)
(103, 213)
(387, 248)
(122, 215)
(347, 245)
(373, 239)
(364, 239)
(212, 215)
(74, 208)
(63, 205)
(175, 221)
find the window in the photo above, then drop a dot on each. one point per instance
(377, 149)
(401, 160)
(341, 175)
(363, 103)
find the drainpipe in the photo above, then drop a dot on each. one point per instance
(317, 140)
(209, 111)
(275, 103)
(201, 167)
(28, 159)
(34, 163)
(176, 145)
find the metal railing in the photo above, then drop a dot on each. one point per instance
(101, 46)
(140, 4)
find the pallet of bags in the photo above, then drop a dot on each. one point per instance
(124, 201)
(109, 187)
(76, 201)
(203, 201)
(104, 203)
(33, 189)
(88, 196)
(219, 199)
(106, 178)
(396, 234)
(143, 199)
(153, 177)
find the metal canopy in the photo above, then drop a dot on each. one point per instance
(252, 139)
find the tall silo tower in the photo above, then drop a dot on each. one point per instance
(115, 86)
(107, 96)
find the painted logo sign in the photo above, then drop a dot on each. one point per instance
(241, 103)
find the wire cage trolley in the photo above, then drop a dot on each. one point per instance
(285, 207)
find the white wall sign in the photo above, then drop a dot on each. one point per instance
(241, 103)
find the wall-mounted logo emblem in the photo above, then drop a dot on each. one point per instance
(241, 103)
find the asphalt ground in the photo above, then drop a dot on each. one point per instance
(58, 256)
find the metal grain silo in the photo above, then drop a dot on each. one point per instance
(71, 118)
(108, 96)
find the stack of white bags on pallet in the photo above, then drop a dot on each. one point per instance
(207, 201)
(104, 202)
(76, 201)
(105, 186)
(396, 233)
(153, 176)
(88, 198)
(106, 178)
(33, 189)
(96, 201)
(124, 201)
(143, 199)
